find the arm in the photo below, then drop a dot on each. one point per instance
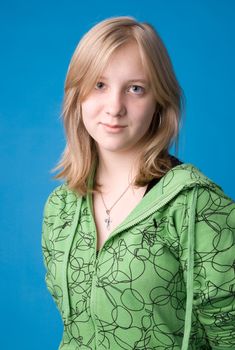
(47, 226)
(214, 266)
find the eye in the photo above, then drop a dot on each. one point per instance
(99, 85)
(136, 89)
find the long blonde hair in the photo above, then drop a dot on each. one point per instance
(88, 61)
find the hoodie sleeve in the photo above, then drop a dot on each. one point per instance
(49, 215)
(46, 249)
(60, 219)
(214, 265)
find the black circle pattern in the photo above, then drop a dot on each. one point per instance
(133, 296)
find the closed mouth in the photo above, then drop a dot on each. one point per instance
(114, 126)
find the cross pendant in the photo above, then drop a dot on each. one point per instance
(108, 220)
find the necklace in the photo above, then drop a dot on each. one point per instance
(108, 220)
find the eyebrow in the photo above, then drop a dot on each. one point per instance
(130, 80)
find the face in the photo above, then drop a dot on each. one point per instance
(118, 111)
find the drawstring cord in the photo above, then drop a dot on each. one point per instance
(190, 269)
(66, 301)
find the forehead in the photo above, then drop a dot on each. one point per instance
(126, 60)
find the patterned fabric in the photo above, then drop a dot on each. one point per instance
(174, 162)
(164, 279)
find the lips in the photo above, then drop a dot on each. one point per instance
(116, 126)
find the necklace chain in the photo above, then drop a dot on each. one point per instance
(108, 220)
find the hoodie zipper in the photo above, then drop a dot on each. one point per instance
(118, 230)
(124, 227)
(94, 276)
(93, 298)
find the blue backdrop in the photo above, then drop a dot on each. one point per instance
(37, 41)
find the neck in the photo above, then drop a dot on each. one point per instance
(116, 169)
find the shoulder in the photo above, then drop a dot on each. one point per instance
(210, 210)
(60, 211)
(196, 192)
(186, 177)
(215, 211)
(62, 198)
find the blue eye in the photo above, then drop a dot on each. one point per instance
(136, 89)
(99, 85)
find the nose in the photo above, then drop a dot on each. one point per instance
(115, 104)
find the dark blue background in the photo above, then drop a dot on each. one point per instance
(37, 40)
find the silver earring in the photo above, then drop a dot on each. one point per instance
(159, 116)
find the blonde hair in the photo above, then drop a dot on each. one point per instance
(88, 61)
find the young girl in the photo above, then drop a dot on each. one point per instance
(139, 247)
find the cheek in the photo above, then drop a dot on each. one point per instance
(88, 114)
(151, 106)
(90, 111)
(87, 109)
(91, 105)
(144, 113)
(150, 111)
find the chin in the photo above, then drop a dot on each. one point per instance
(117, 148)
(111, 147)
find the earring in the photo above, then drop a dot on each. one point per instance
(159, 117)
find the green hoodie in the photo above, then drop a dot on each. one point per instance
(165, 277)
